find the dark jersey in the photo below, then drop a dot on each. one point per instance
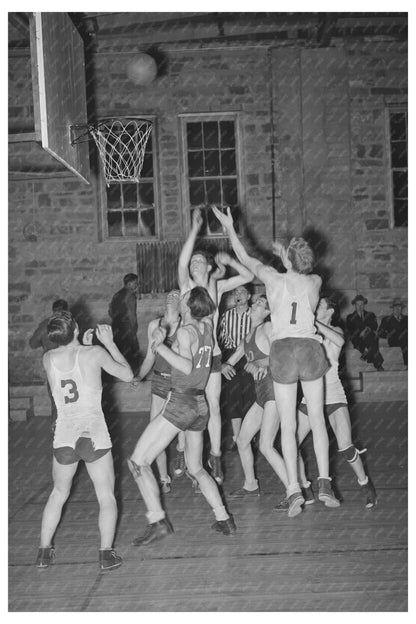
(201, 363)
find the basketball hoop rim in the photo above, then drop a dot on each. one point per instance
(87, 129)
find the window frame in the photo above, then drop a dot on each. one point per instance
(184, 118)
(102, 186)
(394, 108)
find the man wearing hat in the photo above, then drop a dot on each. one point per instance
(394, 328)
(362, 329)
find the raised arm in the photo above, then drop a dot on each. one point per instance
(243, 274)
(182, 360)
(113, 362)
(186, 251)
(149, 359)
(254, 265)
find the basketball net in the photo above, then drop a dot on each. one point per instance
(121, 144)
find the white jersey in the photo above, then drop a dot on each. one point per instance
(79, 409)
(295, 317)
(333, 389)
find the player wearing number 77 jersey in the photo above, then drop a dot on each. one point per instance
(74, 375)
(296, 353)
(185, 410)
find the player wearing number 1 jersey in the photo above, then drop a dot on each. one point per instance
(74, 375)
(296, 353)
(185, 410)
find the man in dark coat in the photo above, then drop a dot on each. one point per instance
(394, 328)
(123, 314)
(362, 330)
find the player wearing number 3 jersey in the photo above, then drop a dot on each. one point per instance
(185, 410)
(74, 375)
(296, 353)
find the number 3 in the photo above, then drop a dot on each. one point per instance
(73, 390)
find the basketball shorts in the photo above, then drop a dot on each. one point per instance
(161, 384)
(328, 409)
(216, 363)
(186, 412)
(297, 359)
(264, 390)
(83, 450)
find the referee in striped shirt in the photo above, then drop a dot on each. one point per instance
(238, 393)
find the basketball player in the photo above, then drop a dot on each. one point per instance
(185, 410)
(74, 375)
(336, 407)
(296, 353)
(195, 269)
(262, 416)
(161, 379)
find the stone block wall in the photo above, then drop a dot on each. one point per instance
(313, 158)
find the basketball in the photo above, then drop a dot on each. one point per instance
(142, 69)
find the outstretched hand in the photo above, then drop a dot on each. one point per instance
(278, 248)
(87, 337)
(104, 334)
(225, 219)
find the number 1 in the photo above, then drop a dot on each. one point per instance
(293, 317)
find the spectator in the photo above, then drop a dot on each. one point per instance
(394, 328)
(123, 314)
(362, 330)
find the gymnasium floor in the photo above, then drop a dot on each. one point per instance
(346, 559)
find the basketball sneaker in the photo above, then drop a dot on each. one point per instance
(295, 501)
(282, 505)
(46, 557)
(154, 532)
(370, 493)
(214, 463)
(165, 485)
(108, 559)
(179, 466)
(308, 495)
(326, 495)
(226, 527)
(243, 493)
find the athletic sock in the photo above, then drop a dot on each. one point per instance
(220, 513)
(306, 484)
(155, 516)
(250, 487)
(363, 482)
(293, 489)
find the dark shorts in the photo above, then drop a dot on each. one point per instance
(83, 450)
(297, 359)
(216, 363)
(186, 412)
(161, 384)
(328, 409)
(264, 390)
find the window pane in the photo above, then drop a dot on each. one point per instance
(130, 222)
(146, 224)
(114, 223)
(228, 166)
(129, 195)
(399, 154)
(210, 134)
(147, 169)
(400, 184)
(227, 134)
(398, 126)
(229, 188)
(113, 196)
(400, 212)
(146, 194)
(236, 213)
(213, 189)
(195, 164)
(196, 192)
(194, 135)
(214, 226)
(212, 163)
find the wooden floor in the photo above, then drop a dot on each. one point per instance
(346, 559)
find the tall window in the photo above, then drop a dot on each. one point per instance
(398, 165)
(211, 163)
(129, 208)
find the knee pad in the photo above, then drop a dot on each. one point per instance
(351, 453)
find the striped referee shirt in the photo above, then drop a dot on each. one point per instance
(233, 328)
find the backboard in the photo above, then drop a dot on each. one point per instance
(59, 89)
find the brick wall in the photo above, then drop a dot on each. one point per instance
(320, 110)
